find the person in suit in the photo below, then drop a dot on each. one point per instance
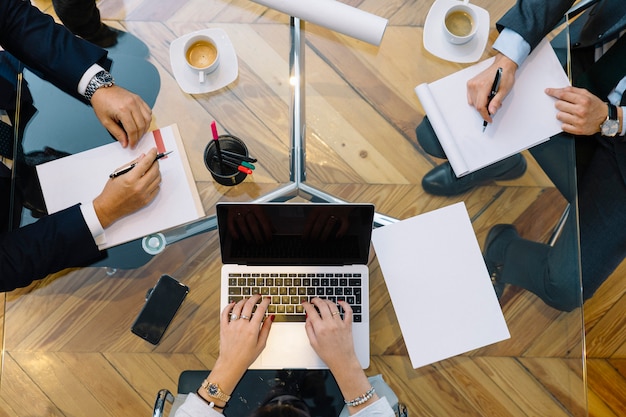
(593, 114)
(82, 18)
(65, 239)
(243, 335)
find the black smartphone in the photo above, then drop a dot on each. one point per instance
(161, 305)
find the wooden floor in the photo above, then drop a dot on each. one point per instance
(68, 351)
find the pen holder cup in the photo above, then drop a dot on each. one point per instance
(222, 173)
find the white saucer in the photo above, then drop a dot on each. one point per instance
(187, 78)
(434, 38)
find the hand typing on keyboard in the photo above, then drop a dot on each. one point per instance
(287, 291)
(244, 330)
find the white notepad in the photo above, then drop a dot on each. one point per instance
(79, 178)
(439, 285)
(527, 116)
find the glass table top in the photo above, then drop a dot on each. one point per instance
(68, 348)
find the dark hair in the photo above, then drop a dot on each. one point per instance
(283, 406)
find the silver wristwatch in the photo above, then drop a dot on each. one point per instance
(610, 126)
(101, 79)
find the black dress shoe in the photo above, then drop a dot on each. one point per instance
(104, 37)
(442, 181)
(496, 243)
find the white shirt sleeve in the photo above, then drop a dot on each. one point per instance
(96, 229)
(87, 76)
(615, 97)
(512, 45)
(194, 406)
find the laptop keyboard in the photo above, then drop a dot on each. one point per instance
(288, 290)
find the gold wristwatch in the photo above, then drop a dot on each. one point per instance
(214, 391)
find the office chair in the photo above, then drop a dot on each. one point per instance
(317, 388)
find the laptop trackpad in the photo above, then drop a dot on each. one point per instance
(288, 347)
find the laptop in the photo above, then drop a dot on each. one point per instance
(293, 252)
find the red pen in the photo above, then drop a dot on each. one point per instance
(217, 144)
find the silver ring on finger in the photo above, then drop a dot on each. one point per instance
(244, 317)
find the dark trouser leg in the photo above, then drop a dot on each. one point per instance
(552, 272)
(81, 17)
(602, 206)
(5, 199)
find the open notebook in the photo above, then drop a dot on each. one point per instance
(527, 116)
(80, 177)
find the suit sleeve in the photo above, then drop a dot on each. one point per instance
(534, 19)
(61, 240)
(45, 47)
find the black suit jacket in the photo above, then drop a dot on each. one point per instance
(63, 239)
(51, 244)
(48, 49)
(534, 19)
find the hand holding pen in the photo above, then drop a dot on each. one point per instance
(128, 193)
(494, 90)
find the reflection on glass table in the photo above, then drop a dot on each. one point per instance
(68, 338)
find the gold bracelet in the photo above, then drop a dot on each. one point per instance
(361, 399)
(214, 391)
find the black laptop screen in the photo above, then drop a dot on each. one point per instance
(294, 233)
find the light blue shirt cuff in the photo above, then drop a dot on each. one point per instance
(512, 45)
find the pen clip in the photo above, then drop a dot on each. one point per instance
(121, 171)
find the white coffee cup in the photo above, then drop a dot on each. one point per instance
(460, 23)
(202, 55)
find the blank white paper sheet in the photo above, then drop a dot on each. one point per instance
(439, 285)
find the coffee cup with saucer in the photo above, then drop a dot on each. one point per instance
(189, 78)
(464, 38)
(202, 55)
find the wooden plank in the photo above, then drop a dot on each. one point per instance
(478, 388)
(562, 378)
(607, 384)
(426, 391)
(608, 335)
(21, 393)
(521, 386)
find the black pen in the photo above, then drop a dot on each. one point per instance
(124, 170)
(494, 90)
(238, 155)
(237, 160)
(239, 167)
